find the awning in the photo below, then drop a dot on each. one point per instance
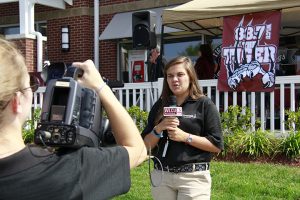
(53, 3)
(202, 16)
(121, 25)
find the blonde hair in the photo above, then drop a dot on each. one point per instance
(13, 72)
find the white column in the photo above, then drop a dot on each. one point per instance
(25, 17)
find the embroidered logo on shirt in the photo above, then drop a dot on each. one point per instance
(189, 116)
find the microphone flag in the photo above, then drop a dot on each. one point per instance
(172, 110)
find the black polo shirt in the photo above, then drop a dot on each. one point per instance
(86, 173)
(200, 117)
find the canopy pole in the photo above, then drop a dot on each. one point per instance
(96, 33)
(162, 49)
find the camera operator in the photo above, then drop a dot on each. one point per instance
(31, 172)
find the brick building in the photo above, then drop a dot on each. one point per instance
(79, 17)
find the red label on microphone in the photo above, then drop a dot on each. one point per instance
(172, 111)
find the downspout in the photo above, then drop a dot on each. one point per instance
(39, 39)
(39, 47)
(96, 34)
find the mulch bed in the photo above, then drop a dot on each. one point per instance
(278, 159)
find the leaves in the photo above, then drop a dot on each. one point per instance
(290, 145)
(139, 116)
(236, 119)
(30, 125)
(240, 139)
(293, 119)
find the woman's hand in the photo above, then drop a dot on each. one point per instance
(176, 134)
(167, 123)
(171, 125)
(91, 77)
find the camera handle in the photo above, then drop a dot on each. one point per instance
(73, 72)
(78, 73)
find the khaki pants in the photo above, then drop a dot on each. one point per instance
(181, 186)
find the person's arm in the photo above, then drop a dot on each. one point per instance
(125, 131)
(199, 142)
(151, 139)
(213, 139)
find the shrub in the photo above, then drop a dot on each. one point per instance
(239, 137)
(236, 119)
(139, 116)
(253, 144)
(228, 144)
(293, 119)
(290, 145)
(30, 125)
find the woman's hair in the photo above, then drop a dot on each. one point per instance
(194, 90)
(13, 73)
(207, 53)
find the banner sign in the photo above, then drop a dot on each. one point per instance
(249, 52)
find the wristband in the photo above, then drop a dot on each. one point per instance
(101, 87)
(156, 134)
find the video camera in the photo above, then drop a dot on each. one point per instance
(71, 115)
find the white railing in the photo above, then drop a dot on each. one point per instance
(143, 95)
(269, 108)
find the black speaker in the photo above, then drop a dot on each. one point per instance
(143, 30)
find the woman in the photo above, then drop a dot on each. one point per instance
(28, 172)
(205, 66)
(183, 145)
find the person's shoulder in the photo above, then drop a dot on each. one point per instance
(99, 150)
(205, 99)
(99, 154)
(39, 151)
(157, 103)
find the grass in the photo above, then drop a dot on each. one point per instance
(242, 181)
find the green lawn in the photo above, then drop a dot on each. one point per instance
(233, 181)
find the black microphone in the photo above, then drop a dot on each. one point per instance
(172, 110)
(172, 101)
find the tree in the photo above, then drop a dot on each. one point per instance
(191, 50)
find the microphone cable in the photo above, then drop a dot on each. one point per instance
(149, 170)
(42, 140)
(42, 135)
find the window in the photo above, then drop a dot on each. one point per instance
(172, 48)
(10, 30)
(182, 47)
(15, 29)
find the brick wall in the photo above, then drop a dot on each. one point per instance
(112, 2)
(9, 9)
(80, 35)
(107, 52)
(81, 32)
(108, 49)
(28, 49)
